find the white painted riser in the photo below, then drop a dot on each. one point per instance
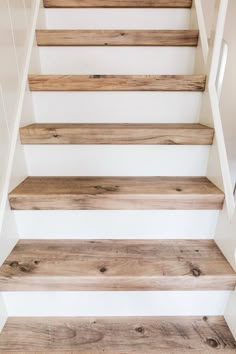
(117, 18)
(120, 107)
(136, 303)
(117, 60)
(113, 224)
(110, 160)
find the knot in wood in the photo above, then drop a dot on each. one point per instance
(107, 188)
(196, 272)
(25, 268)
(139, 329)
(103, 269)
(212, 342)
(14, 264)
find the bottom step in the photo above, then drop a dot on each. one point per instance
(117, 335)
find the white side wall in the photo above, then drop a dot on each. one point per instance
(228, 101)
(15, 26)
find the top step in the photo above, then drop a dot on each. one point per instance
(118, 3)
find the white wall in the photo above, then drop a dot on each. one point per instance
(228, 98)
(15, 19)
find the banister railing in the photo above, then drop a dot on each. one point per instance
(214, 60)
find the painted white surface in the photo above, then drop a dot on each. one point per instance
(3, 313)
(8, 235)
(13, 37)
(203, 39)
(208, 12)
(111, 303)
(225, 236)
(120, 107)
(4, 141)
(118, 60)
(117, 18)
(20, 28)
(215, 109)
(113, 224)
(218, 169)
(8, 64)
(111, 160)
(222, 67)
(230, 313)
(228, 102)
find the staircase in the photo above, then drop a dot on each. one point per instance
(116, 218)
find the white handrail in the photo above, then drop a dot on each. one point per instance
(222, 67)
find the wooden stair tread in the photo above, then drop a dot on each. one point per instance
(117, 335)
(118, 3)
(117, 37)
(116, 193)
(117, 82)
(116, 265)
(72, 133)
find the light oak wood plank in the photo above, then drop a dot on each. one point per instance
(117, 82)
(117, 335)
(128, 134)
(119, 3)
(116, 265)
(116, 193)
(117, 38)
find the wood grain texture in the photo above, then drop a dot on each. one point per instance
(116, 193)
(117, 82)
(119, 3)
(128, 134)
(116, 335)
(117, 38)
(70, 265)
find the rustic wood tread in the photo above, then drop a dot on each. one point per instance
(117, 335)
(116, 193)
(151, 134)
(117, 82)
(116, 265)
(119, 3)
(117, 37)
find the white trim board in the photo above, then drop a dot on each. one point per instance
(3, 313)
(116, 160)
(113, 224)
(117, 18)
(117, 107)
(230, 313)
(113, 303)
(117, 60)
